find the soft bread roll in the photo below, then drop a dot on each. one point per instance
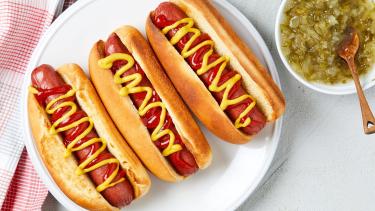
(126, 116)
(256, 79)
(52, 150)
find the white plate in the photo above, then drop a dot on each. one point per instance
(235, 172)
(367, 80)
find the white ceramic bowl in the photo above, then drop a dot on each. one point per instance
(367, 80)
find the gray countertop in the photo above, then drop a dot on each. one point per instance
(330, 162)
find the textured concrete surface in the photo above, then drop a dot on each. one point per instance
(329, 163)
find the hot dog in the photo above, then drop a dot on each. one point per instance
(65, 101)
(196, 45)
(145, 107)
(183, 161)
(168, 13)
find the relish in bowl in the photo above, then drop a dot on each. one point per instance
(311, 30)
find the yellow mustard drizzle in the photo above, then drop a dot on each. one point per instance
(81, 169)
(132, 88)
(223, 60)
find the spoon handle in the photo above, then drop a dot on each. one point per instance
(367, 116)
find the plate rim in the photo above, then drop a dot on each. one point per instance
(43, 43)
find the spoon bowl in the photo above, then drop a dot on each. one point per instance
(348, 47)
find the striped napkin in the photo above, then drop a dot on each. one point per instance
(22, 23)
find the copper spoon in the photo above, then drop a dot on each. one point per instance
(347, 50)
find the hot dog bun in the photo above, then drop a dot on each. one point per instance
(63, 170)
(256, 79)
(126, 116)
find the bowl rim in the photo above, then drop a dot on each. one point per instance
(341, 89)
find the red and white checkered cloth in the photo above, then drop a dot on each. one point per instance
(22, 23)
